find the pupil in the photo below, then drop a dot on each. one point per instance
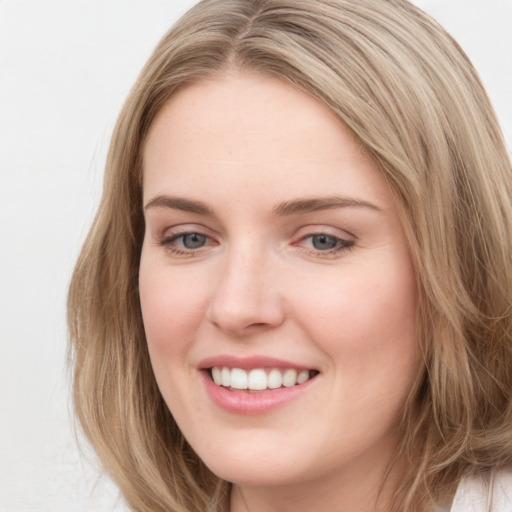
(193, 240)
(323, 242)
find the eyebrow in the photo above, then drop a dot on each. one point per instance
(314, 204)
(283, 209)
(179, 203)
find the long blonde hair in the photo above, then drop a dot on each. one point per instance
(408, 93)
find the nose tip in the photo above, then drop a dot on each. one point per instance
(246, 299)
(239, 319)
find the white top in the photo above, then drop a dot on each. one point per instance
(481, 494)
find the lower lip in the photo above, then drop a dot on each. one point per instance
(241, 402)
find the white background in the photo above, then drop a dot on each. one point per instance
(65, 69)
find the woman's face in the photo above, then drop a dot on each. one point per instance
(274, 258)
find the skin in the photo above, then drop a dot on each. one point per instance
(241, 144)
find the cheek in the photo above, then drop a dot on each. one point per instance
(171, 307)
(364, 315)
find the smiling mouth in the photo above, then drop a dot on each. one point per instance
(259, 379)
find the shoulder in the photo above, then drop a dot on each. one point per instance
(491, 492)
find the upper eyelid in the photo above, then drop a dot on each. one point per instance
(335, 232)
(345, 242)
(183, 229)
(182, 232)
(175, 236)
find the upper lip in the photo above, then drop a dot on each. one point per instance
(248, 363)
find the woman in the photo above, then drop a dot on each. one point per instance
(297, 290)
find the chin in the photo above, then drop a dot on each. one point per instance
(269, 474)
(267, 461)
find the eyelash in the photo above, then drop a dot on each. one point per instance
(168, 244)
(342, 245)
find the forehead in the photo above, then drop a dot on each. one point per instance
(250, 130)
(245, 100)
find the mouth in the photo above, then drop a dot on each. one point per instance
(255, 385)
(257, 380)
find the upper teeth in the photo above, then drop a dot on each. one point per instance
(258, 378)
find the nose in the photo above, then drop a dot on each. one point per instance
(246, 298)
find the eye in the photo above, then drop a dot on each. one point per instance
(324, 245)
(186, 244)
